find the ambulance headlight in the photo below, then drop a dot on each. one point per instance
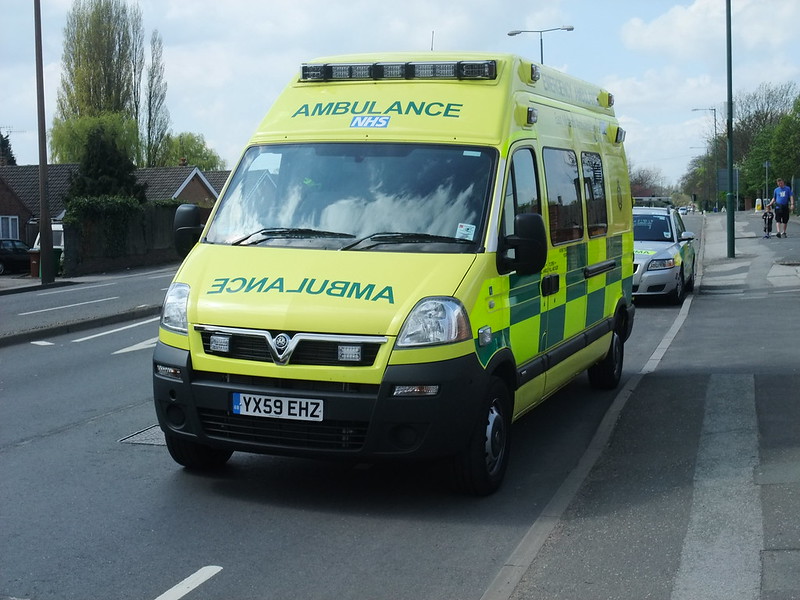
(435, 321)
(173, 314)
(661, 263)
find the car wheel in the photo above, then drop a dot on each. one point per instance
(196, 456)
(2, 268)
(679, 293)
(606, 374)
(480, 468)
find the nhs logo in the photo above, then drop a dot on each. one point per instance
(364, 121)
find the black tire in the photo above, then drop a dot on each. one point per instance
(194, 456)
(606, 374)
(2, 268)
(480, 468)
(679, 293)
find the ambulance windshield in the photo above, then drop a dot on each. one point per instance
(364, 196)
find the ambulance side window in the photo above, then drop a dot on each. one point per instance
(594, 193)
(563, 195)
(522, 189)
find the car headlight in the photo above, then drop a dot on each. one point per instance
(173, 314)
(435, 321)
(661, 263)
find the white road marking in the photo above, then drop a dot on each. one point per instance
(662, 348)
(145, 345)
(75, 289)
(42, 343)
(118, 329)
(190, 583)
(34, 312)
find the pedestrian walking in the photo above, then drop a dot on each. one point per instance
(783, 202)
(768, 217)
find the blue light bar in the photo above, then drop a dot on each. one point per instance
(466, 69)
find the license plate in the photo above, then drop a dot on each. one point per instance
(298, 409)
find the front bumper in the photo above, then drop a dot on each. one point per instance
(361, 421)
(658, 282)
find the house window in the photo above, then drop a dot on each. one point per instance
(9, 227)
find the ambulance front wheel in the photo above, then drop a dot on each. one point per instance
(194, 456)
(606, 374)
(480, 468)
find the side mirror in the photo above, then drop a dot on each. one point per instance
(686, 236)
(529, 243)
(187, 228)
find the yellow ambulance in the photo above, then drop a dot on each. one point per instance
(413, 251)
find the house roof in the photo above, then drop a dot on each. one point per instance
(162, 183)
(24, 180)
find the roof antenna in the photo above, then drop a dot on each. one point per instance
(433, 32)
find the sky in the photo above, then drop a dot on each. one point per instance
(226, 62)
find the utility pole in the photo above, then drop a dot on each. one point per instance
(731, 208)
(46, 262)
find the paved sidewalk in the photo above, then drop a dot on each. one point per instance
(759, 263)
(693, 492)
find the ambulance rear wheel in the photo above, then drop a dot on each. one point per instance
(194, 456)
(480, 468)
(606, 374)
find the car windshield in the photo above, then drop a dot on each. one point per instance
(652, 228)
(394, 197)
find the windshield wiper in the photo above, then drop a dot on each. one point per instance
(289, 232)
(395, 237)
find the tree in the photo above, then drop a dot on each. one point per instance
(104, 170)
(6, 153)
(753, 178)
(68, 138)
(758, 111)
(785, 144)
(755, 140)
(100, 59)
(645, 182)
(156, 115)
(191, 149)
(103, 63)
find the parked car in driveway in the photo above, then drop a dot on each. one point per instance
(13, 256)
(664, 255)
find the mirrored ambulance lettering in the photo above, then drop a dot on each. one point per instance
(308, 285)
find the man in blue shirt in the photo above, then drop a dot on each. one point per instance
(783, 202)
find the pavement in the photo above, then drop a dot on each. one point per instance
(692, 486)
(690, 489)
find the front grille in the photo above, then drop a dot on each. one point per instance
(306, 386)
(322, 435)
(255, 347)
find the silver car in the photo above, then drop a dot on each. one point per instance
(663, 254)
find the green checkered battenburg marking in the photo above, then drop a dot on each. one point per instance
(526, 302)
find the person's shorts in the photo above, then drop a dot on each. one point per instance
(781, 214)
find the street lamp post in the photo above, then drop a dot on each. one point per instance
(716, 162)
(766, 180)
(541, 32)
